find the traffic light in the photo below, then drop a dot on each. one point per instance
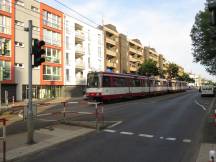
(38, 52)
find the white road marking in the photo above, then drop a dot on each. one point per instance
(111, 126)
(146, 135)
(203, 107)
(47, 120)
(170, 139)
(186, 140)
(109, 130)
(127, 133)
(161, 137)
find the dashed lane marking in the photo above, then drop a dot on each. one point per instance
(203, 107)
(109, 130)
(170, 139)
(186, 140)
(127, 133)
(146, 135)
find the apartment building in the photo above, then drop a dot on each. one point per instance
(25, 10)
(131, 54)
(151, 53)
(84, 52)
(135, 55)
(7, 16)
(181, 70)
(52, 71)
(111, 48)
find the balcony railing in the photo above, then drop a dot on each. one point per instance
(80, 65)
(111, 64)
(79, 51)
(132, 59)
(110, 52)
(79, 35)
(110, 40)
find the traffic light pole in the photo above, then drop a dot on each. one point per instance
(30, 122)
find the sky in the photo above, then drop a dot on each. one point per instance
(161, 24)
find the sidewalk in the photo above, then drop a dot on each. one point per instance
(12, 115)
(44, 138)
(209, 137)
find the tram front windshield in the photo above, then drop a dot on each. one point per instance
(92, 80)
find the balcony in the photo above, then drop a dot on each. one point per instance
(79, 35)
(111, 64)
(80, 65)
(133, 68)
(132, 59)
(133, 50)
(110, 41)
(79, 51)
(139, 52)
(111, 52)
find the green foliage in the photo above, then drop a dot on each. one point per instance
(172, 71)
(149, 68)
(186, 77)
(203, 37)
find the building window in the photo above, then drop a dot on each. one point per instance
(52, 38)
(99, 39)
(4, 41)
(19, 44)
(35, 9)
(53, 55)
(67, 43)
(89, 35)
(51, 20)
(5, 5)
(35, 28)
(67, 75)
(5, 24)
(19, 3)
(19, 23)
(6, 68)
(67, 27)
(89, 48)
(67, 59)
(19, 65)
(89, 63)
(51, 73)
(99, 51)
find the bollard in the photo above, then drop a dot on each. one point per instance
(3, 120)
(64, 113)
(13, 100)
(212, 156)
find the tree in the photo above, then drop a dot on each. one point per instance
(149, 68)
(186, 77)
(172, 71)
(203, 41)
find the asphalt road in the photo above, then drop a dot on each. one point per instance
(158, 129)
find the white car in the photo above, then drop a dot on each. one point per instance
(207, 90)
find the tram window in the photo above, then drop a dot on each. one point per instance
(164, 83)
(151, 83)
(145, 83)
(119, 82)
(157, 83)
(92, 80)
(106, 81)
(136, 83)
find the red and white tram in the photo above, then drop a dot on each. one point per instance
(107, 86)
